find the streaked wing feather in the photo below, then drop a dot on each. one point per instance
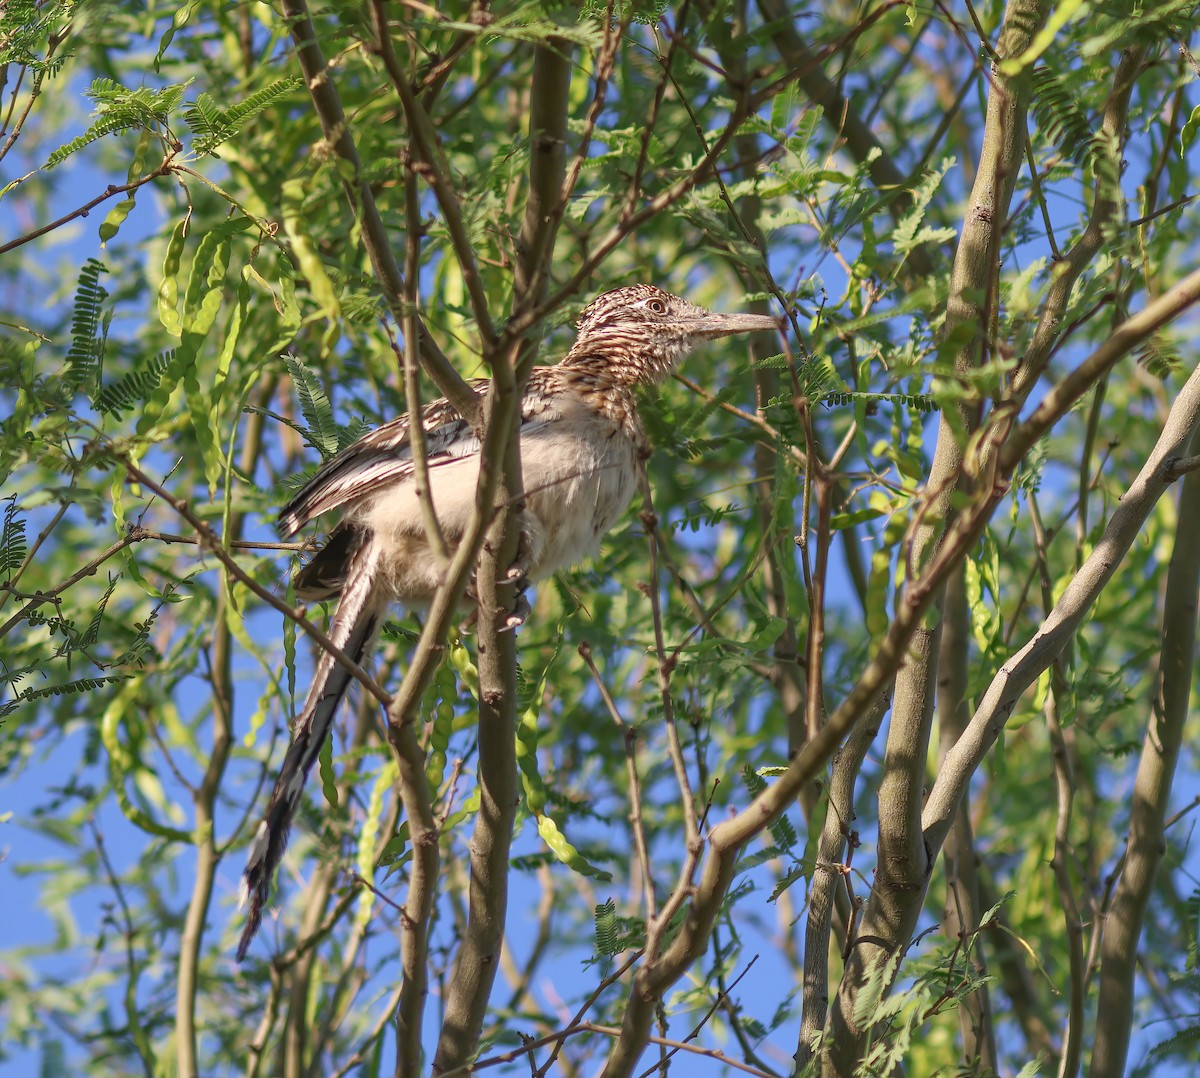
(380, 457)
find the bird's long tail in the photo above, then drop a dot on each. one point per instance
(359, 614)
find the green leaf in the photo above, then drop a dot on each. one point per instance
(133, 388)
(87, 345)
(212, 125)
(606, 928)
(1190, 129)
(12, 539)
(322, 430)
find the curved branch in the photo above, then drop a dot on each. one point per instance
(1016, 675)
(1151, 790)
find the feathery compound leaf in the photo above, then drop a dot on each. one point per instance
(782, 829)
(914, 402)
(779, 362)
(92, 633)
(1158, 357)
(211, 125)
(605, 920)
(12, 539)
(322, 431)
(106, 126)
(818, 378)
(69, 688)
(908, 233)
(754, 782)
(207, 122)
(643, 11)
(1059, 116)
(133, 388)
(87, 345)
(120, 109)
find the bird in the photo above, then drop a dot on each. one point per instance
(581, 442)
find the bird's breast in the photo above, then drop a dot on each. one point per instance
(579, 475)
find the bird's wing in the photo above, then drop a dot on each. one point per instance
(381, 457)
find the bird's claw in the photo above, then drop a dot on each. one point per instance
(518, 571)
(517, 616)
(506, 620)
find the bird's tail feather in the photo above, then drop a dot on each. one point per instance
(359, 615)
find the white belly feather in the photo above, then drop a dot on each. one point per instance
(579, 475)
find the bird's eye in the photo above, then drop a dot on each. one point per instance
(657, 306)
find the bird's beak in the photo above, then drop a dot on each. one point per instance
(712, 326)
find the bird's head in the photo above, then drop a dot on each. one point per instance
(643, 332)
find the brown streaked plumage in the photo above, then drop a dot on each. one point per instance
(580, 441)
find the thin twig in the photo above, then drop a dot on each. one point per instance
(427, 161)
(34, 547)
(683, 1045)
(412, 378)
(111, 191)
(43, 597)
(629, 735)
(656, 928)
(758, 421)
(556, 1038)
(133, 1013)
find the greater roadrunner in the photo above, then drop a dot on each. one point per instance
(580, 445)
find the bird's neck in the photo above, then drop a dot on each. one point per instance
(644, 365)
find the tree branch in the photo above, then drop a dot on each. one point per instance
(1020, 671)
(328, 106)
(1161, 746)
(511, 361)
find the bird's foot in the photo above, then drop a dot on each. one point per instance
(506, 620)
(518, 571)
(517, 616)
